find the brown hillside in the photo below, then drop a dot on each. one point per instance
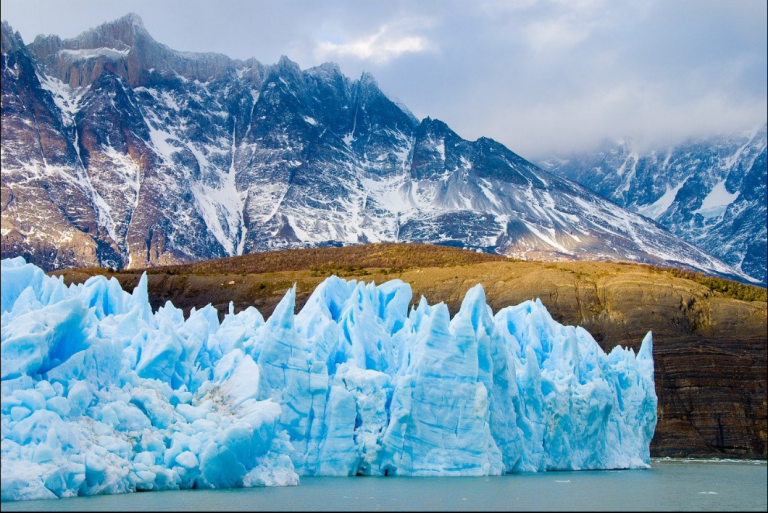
(384, 255)
(709, 348)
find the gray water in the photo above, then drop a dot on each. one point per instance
(668, 485)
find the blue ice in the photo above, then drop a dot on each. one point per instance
(102, 395)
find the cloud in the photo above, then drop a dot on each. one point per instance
(381, 47)
(556, 34)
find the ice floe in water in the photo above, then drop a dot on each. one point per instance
(102, 395)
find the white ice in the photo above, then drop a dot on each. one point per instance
(716, 201)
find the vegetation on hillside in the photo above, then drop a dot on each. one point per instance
(358, 260)
(383, 260)
(727, 288)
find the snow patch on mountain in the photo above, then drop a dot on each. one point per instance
(658, 207)
(716, 201)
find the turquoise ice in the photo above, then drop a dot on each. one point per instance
(102, 395)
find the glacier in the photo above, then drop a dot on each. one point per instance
(102, 395)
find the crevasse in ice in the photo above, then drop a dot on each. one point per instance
(102, 395)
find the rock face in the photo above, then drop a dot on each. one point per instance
(711, 192)
(120, 152)
(709, 351)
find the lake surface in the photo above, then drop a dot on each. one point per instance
(669, 485)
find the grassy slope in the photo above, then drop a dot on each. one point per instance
(438, 272)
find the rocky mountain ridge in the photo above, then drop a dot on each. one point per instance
(710, 192)
(120, 152)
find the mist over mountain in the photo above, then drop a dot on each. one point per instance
(119, 151)
(710, 192)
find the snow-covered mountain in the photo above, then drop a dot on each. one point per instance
(118, 151)
(710, 192)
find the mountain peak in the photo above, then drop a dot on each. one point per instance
(434, 126)
(286, 63)
(367, 79)
(78, 61)
(6, 27)
(132, 22)
(326, 69)
(133, 19)
(286, 68)
(10, 40)
(120, 34)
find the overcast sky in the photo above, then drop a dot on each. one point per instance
(540, 76)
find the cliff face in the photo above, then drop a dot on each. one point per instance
(125, 48)
(709, 350)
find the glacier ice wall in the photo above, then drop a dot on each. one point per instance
(101, 395)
